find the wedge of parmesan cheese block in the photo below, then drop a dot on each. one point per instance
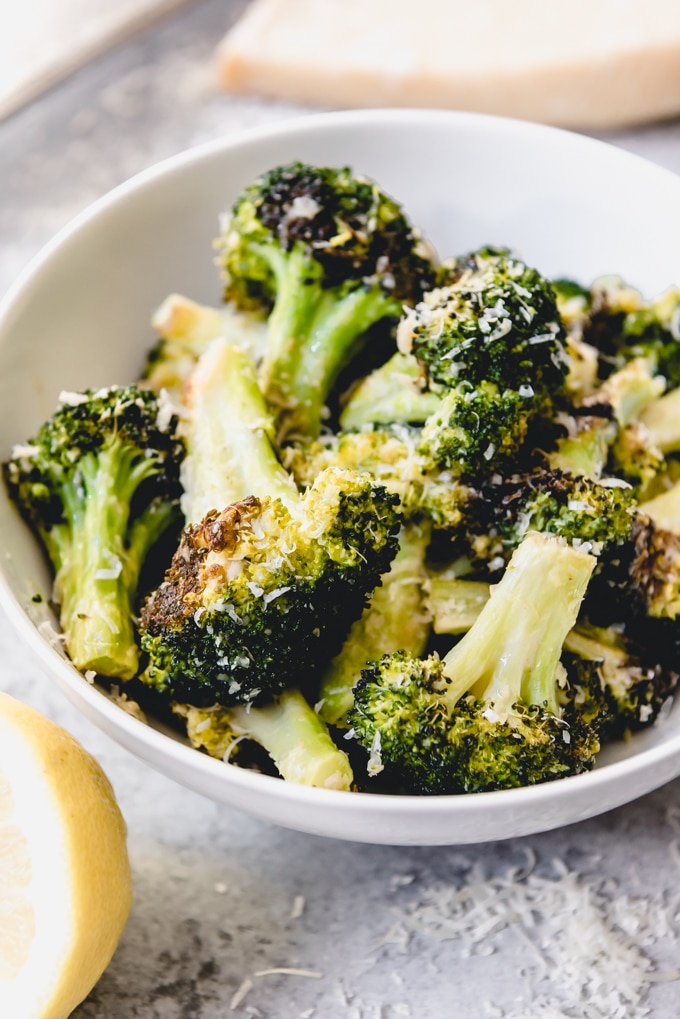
(574, 63)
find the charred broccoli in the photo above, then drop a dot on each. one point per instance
(262, 589)
(641, 578)
(613, 682)
(493, 346)
(576, 508)
(488, 715)
(614, 318)
(328, 255)
(100, 484)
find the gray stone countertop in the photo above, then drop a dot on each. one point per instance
(534, 927)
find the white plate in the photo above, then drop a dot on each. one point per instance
(79, 317)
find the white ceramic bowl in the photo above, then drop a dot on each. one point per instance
(80, 315)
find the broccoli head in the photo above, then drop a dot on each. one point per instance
(266, 581)
(578, 509)
(391, 457)
(492, 319)
(488, 715)
(328, 255)
(613, 681)
(618, 321)
(654, 331)
(258, 594)
(645, 573)
(476, 429)
(100, 484)
(492, 345)
(616, 683)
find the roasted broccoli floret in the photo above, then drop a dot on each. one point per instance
(494, 320)
(575, 508)
(476, 429)
(626, 393)
(390, 455)
(614, 318)
(653, 331)
(264, 589)
(186, 330)
(288, 728)
(100, 484)
(597, 314)
(642, 576)
(488, 715)
(636, 459)
(612, 682)
(492, 344)
(619, 405)
(396, 618)
(330, 254)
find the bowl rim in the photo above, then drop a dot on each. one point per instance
(95, 702)
(310, 123)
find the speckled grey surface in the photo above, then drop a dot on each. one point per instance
(221, 899)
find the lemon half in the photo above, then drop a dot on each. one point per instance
(65, 885)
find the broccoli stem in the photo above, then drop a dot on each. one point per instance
(513, 651)
(97, 570)
(391, 393)
(298, 292)
(597, 644)
(335, 334)
(229, 434)
(455, 603)
(585, 453)
(664, 509)
(661, 418)
(313, 332)
(296, 739)
(394, 620)
(629, 391)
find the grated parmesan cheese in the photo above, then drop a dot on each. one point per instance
(298, 907)
(585, 945)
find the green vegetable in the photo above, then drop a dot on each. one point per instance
(396, 617)
(264, 587)
(488, 715)
(328, 255)
(289, 729)
(99, 484)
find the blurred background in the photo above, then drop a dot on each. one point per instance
(91, 93)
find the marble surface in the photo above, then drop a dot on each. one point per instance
(236, 917)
